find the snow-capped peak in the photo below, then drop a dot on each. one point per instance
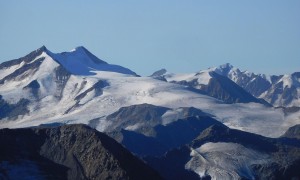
(78, 48)
(226, 66)
(289, 81)
(80, 61)
(82, 53)
(43, 48)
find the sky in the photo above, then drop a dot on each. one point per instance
(261, 36)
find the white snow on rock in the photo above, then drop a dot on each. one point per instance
(225, 161)
(202, 77)
(172, 115)
(81, 62)
(288, 81)
(76, 105)
(127, 90)
(13, 91)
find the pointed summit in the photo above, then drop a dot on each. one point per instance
(82, 51)
(80, 61)
(41, 50)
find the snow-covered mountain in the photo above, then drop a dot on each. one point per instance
(279, 91)
(80, 61)
(282, 90)
(46, 88)
(213, 84)
(47, 81)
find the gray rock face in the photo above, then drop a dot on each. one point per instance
(150, 136)
(61, 78)
(68, 152)
(166, 137)
(293, 132)
(145, 114)
(159, 75)
(11, 111)
(224, 89)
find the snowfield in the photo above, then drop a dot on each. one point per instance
(124, 90)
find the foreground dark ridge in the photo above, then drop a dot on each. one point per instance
(67, 152)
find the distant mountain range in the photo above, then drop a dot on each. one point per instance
(181, 125)
(279, 91)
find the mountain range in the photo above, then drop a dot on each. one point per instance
(277, 90)
(158, 118)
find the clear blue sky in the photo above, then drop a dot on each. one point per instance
(143, 35)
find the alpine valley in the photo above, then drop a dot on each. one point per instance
(218, 123)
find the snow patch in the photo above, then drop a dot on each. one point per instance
(134, 127)
(171, 116)
(202, 77)
(225, 161)
(287, 81)
(179, 77)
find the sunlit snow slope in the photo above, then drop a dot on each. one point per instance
(77, 87)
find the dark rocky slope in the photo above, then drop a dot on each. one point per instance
(284, 154)
(152, 136)
(67, 152)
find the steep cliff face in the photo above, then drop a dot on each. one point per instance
(67, 152)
